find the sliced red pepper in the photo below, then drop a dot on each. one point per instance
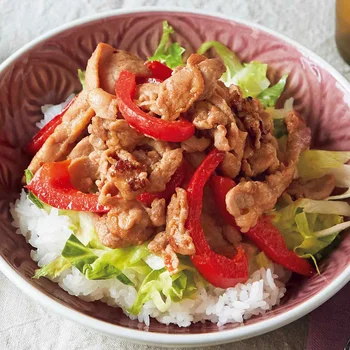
(52, 185)
(269, 239)
(159, 70)
(219, 270)
(176, 181)
(264, 234)
(39, 139)
(220, 186)
(173, 131)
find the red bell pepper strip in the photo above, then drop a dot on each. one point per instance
(39, 139)
(176, 180)
(264, 234)
(173, 131)
(52, 185)
(217, 269)
(220, 186)
(159, 70)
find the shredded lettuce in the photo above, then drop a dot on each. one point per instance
(53, 269)
(250, 77)
(78, 254)
(309, 226)
(269, 96)
(163, 288)
(315, 163)
(134, 266)
(87, 261)
(28, 177)
(170, 54)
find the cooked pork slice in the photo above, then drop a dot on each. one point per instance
(103, 103)
(121, 169)
(195, 144)
(215, 237)
(164, 170)
(179, 238)
(146, 97)
(250, 199)
(83, 148)
(207, 115)
(127, 223)
(175, 238)
(177, 93)
(105, 65)
(157, 212)
(319, 188)
(83, 173)
(263, 159)
(62, 141)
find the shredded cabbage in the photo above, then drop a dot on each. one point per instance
(170, 54)
(308, 226)
(28, 175)
(269, 96)
(250, 77)
(314, 163)
(162, 288)
(97, 262)
(53, 269)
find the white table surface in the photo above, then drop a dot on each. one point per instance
(25, 324)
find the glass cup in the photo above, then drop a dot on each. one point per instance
(342, 35)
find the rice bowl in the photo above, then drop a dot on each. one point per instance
(90, 281)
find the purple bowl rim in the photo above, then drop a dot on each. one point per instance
(165, 339)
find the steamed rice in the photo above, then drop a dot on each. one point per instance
(48, 232)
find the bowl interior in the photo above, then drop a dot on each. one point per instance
(46, 73)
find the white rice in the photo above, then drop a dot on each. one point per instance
(50, 111)
(48, 232)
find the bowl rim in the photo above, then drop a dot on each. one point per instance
(164, 339)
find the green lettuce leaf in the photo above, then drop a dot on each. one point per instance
(53, 269)
(111, 263)
(269, 96)
(170, 54)
(252, 79)
(231, 61)
(81, 76)
(77, 254)
(163, 288)
(28, 177)
(90, 264)
(315, 163)
(309, 226)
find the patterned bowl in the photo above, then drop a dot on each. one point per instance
(44, 71)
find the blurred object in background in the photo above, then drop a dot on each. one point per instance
(342, 35)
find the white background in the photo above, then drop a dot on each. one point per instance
(26, 325)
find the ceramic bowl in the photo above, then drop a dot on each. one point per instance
(44, 71)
